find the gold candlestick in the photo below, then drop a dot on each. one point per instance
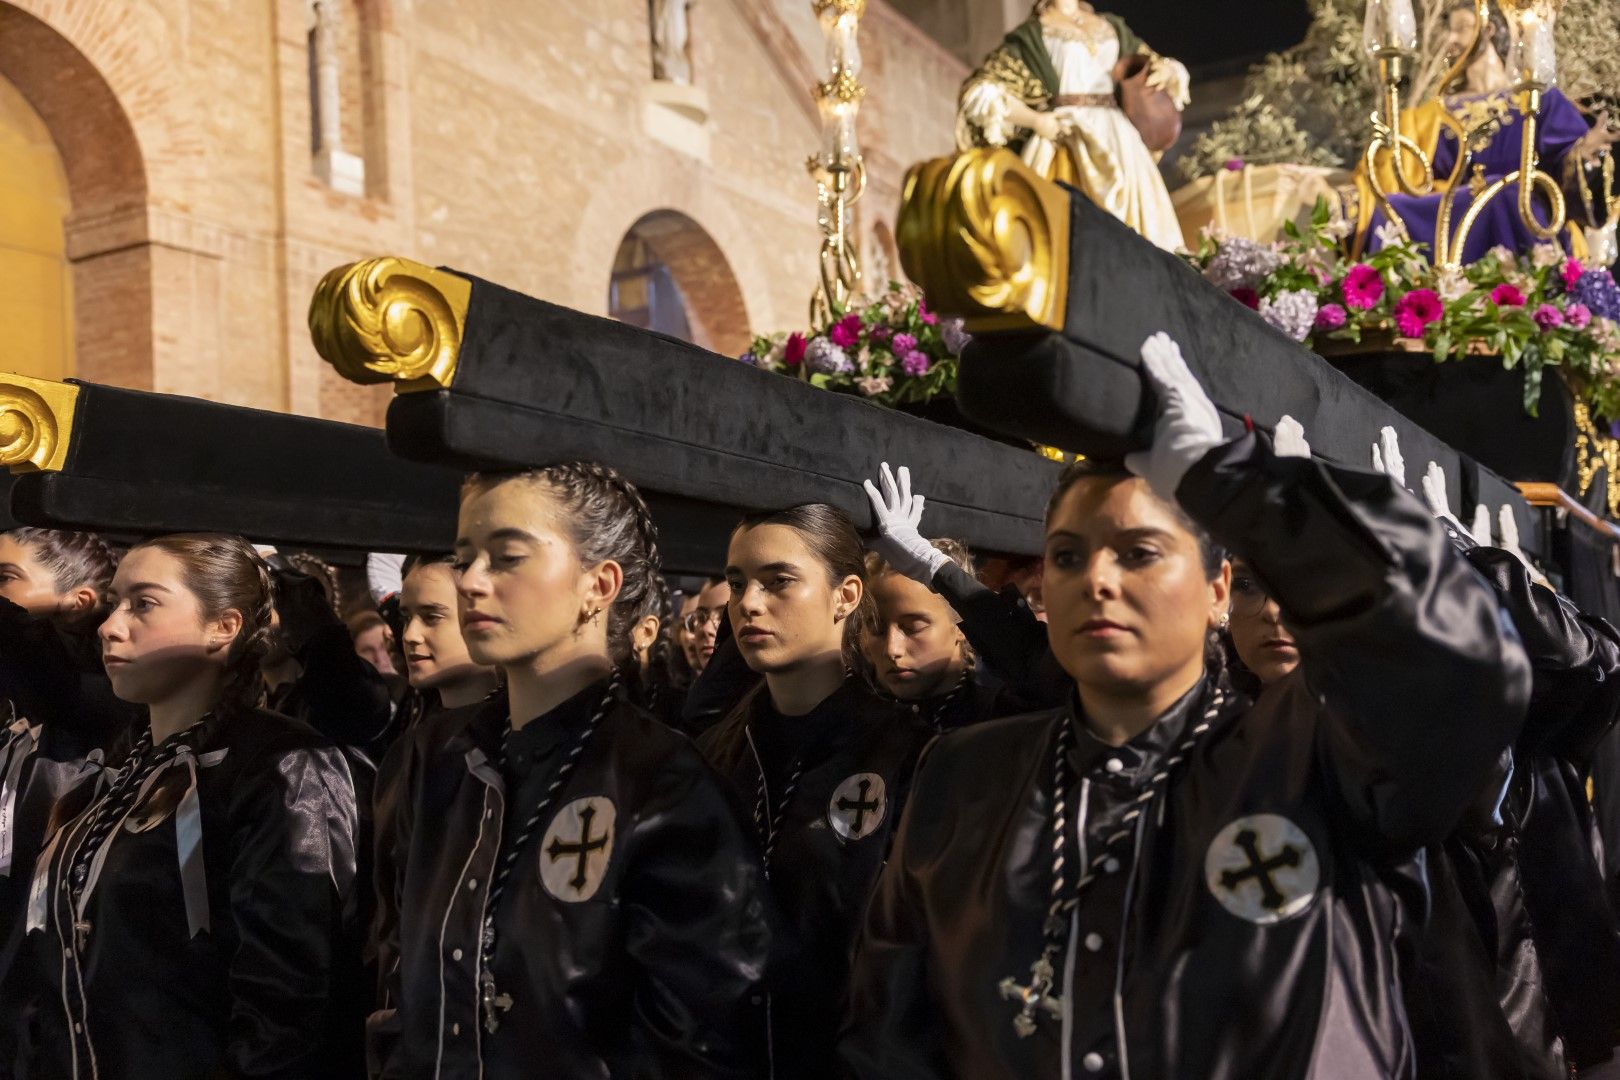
(839, 170)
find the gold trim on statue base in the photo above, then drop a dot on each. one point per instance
(36, 423)
(987, 239)
(1595, 450)
(391, 320)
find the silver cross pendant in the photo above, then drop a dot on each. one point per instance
(494, 1004)
(1036, 996)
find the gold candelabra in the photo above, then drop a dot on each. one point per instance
(838, 168)
(1390, 42)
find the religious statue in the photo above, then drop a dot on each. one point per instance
(1480, 99)
(672, 40)
(1053, 92)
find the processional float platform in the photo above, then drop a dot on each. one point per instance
(490, 378)
(132, 463)
(1060, 295)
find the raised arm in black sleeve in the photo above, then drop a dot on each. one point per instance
(1422, 675)
(1009, 640)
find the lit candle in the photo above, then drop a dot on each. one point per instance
(1390, 29)
(1533, 58)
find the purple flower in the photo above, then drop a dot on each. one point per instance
(825, 358)
(846, 332)
(1330, 317)
(903, 344)
(955, 335)
(1597, 290)
(1614, 429)
(880, 334)
(1577, 316)
(750, 359)
(928, 317)
(1548, 317)
(1241, 263)
(1233, 164)
(915, 362)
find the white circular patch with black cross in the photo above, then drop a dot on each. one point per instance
(576, 849)
(857, 806)
(1263, 868)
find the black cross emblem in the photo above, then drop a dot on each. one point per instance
(861, 806)
(1260, 869)
(580, 849)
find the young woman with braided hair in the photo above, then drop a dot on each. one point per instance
(822, 759)
(1163, 878)
(577, 894)
(183, 925)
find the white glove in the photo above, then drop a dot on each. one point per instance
(1188, 425)
(897, 513)
(384, 575)
(1389, 461)
(1434, 493)
(1288, 439)
(1482, 525)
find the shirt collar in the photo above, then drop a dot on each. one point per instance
(1141, 756)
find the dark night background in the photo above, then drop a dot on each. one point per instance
(1216, 34)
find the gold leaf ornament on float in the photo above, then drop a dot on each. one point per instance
(392, 320)
(36, 423)
(987, 239)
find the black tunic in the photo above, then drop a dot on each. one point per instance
(853, 756)
(632, 932)
(137, 994)
(1251, 923)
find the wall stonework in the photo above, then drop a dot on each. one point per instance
(501, 137)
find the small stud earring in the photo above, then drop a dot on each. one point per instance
(1226, 619)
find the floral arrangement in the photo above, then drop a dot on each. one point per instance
(1535, 311)
(890, 348)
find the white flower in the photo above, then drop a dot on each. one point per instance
(1504, 255)
(1241, 263)
(1293, 312)
(1451, 283)
(1390, 233)
(874, 385)
(1545, 255)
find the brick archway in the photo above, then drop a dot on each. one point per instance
(715, 310)
(106, 178)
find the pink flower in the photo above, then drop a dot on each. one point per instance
(1362, 287)
(915, 362)
(793, 352)
(1572, 273)
(1577, 316)
(1507, 295)
(846, 332)
(1416, 310)
(903, 344)
(928, 317)
(1548, 317)
(1331, 317)
(1233, 164)
(1247, 297)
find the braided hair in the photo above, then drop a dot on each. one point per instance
(73, 559)
(225, 574)
(606, 519)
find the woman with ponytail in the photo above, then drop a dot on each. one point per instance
(822, 759)
(577, 895)
(183, 924)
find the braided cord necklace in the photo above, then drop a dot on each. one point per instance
(495, 1003)
(936, 718)
(768, 819)
(110, 809)
(1038, 995)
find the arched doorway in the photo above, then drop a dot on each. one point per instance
(670, 276)
(58, 105)
(36, 303)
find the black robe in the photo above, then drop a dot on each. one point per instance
(639, 953)
(140, 994)
(1253, 920)
(854, 755)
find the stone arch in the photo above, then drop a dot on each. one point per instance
(111, 265)
(36, 303)
(715, 312)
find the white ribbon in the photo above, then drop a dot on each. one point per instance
(20, 743)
